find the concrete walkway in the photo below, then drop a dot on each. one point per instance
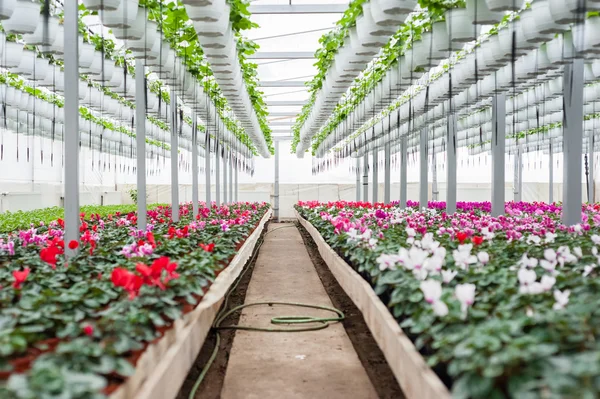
(313, 364)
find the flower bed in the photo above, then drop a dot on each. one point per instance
(498, 307)
(78, 328)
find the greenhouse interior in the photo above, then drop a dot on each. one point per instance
(299, 199)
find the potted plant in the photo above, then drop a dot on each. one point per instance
(43, 34)
(459, 23)
(7, 7)
(123, 17)
(10, 52)
(96, 5)
(369, 33)
(24, 18)
(207, 12)
(481, 14)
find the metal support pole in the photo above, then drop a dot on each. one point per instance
(403, 171)
(375, 175)
(236, 196)
(357, 179)
(217, 177)
(551, 174)
(140, 141)
(451, 182)
(230, 169)
(423, 178)
(434, 182)
(207, 171)
(498, 153)
(276, 196)
(225, 196)
(366, 177)
(591, 191)
(516, 175)
(71, 140)
(195, 165)
(174, 160)
(572, 141)
(387, 179)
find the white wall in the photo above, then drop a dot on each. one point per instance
(30, 184)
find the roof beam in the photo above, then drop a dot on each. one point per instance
(282, 83)
(298, 9)
(291, 114)
(284, 103)
(281, 123)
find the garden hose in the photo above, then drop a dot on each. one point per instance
(321, 322)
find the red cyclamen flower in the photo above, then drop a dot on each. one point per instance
(88, 330)
(208, 248)
(20, 277)
(477, 240)
(461, 236)
(73, 244)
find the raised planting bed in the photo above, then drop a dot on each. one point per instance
(127, 316)
(497, 307)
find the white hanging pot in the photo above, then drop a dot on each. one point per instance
(531, 32)
(221, 41)
(86, 55)
(24, 18)
(95, 5)
(123, 17)
(146, 42)
(460, 25)
(383, 18)
(543, 18)
(374, 27)
(560, 50)
(481, 14)
(356, 43)
(571, 11)
(214, 28)
(207, 13)
(504, 5)
(149, 54)
(26, 64)
(10, 52)
(7, 7)
(58, 45)
(43, 35)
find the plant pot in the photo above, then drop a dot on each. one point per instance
(10, 52)
(480, 13)
(384, 19)
(43, 35)
(586, 36)
(7, 7)
(146, 42)
(370, 26)
(24, 18)
(212, 29)
(531, 32)
(125, 16)
(560, 50)
(543, 18)
(207, 13)
(96, 5)
(86, 55)
(459, 25)
(359, 49)
(504, 5)
(571, 11)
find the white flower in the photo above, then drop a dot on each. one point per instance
(577, 252)
(577, 228)
(535, 288)
(550, 255)
(564, 255)
(596, 239)
(387, 261)
(413, 258)
(483, 257)
(465, 293)
(485, 232)
(547, 282)
(432, 290)
(440, 308)
(427, 242)
(561, 298)
(433, 264)
(588, 269)
(448, 275)
(526, 279)
(420, 274)
(411, 232)
(533, 239)
(548, 265)
(550, 237)
(462, 256)
(527, 262)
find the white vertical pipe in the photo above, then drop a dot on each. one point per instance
(403, 172)
(357, 179)
(174, 160)
(207, 168)
(71, 137)
(366, 177)
(375, 175)
(230, 169)
(423, 172)
(236, 196)
(217, 176)
(276, 196)
(451, 182)
(498, 153)
(551, 174)
(591, 191)
(225, 194)
(194, 165)
(387, 180)
(140, 141)
(573, 141)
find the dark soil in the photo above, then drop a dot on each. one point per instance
(213, 381)
(370, 355)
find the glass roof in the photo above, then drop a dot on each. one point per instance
(295, 37)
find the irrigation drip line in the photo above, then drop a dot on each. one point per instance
(322, 322)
